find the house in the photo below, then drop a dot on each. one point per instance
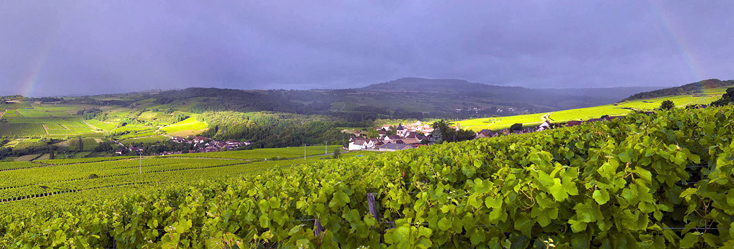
(401, 130)
(178, 139)
(410, 141)
(382, 134)
(362, 143)
(358, 144)
(234, 143)
(392, 137)
(411, 134)
(483, 134)
(545, 125)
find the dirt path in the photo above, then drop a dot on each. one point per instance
(2, 113)
(45, 128)
(94, 128)
(546, 117)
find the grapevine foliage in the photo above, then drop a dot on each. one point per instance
(663, 180)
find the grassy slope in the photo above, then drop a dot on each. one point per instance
(190, 125)
(591, 112)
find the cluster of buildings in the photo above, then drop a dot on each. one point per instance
(407, 137)
(205, 144)
(199, 144)
(416, 127)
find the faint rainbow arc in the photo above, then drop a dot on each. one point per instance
(683, 47)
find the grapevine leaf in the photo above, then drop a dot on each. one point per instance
(625, 157)
(274, 203)
(444, 224)
(475, 202)
(608, 169)
(630, 194)
(524, 225)
(557, 190)
(688, 193)
(496, 215)
(477, 237)
(644, 174)
(544, 178)
(680, 158)
(694, 158)
(601, 196)
(480, 186)
(577, 225)
(689, 240)
(587, 212)
(264, 221)
(493, 202)
(570, 187)
(397, 235)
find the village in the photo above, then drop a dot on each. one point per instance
(197, 144)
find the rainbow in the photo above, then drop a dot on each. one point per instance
(675, 35)
(31, 76)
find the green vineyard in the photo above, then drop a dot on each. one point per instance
(663, 180)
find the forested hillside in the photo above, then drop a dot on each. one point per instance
(687, 89)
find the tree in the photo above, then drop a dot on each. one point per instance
(463, 135)
(336, 153)
(436, 136)
(516, 127)
(80, 145)
(726, 99)
(667, 105)
(444, 128)
(51, 154)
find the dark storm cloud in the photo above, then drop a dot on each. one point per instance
(86, 47)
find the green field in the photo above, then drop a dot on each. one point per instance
(107, 126)
(26, 120)
(189, 125)
(21, 130)
(264, 154)
(53, 181)
(152, 138)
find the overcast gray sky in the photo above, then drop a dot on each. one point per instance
(93, 47)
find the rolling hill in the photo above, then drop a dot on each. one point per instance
(701, 87)
(700, 93)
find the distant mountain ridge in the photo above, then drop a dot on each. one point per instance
(687, 89)
(415, 84)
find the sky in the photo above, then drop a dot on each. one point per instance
(55, 48)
